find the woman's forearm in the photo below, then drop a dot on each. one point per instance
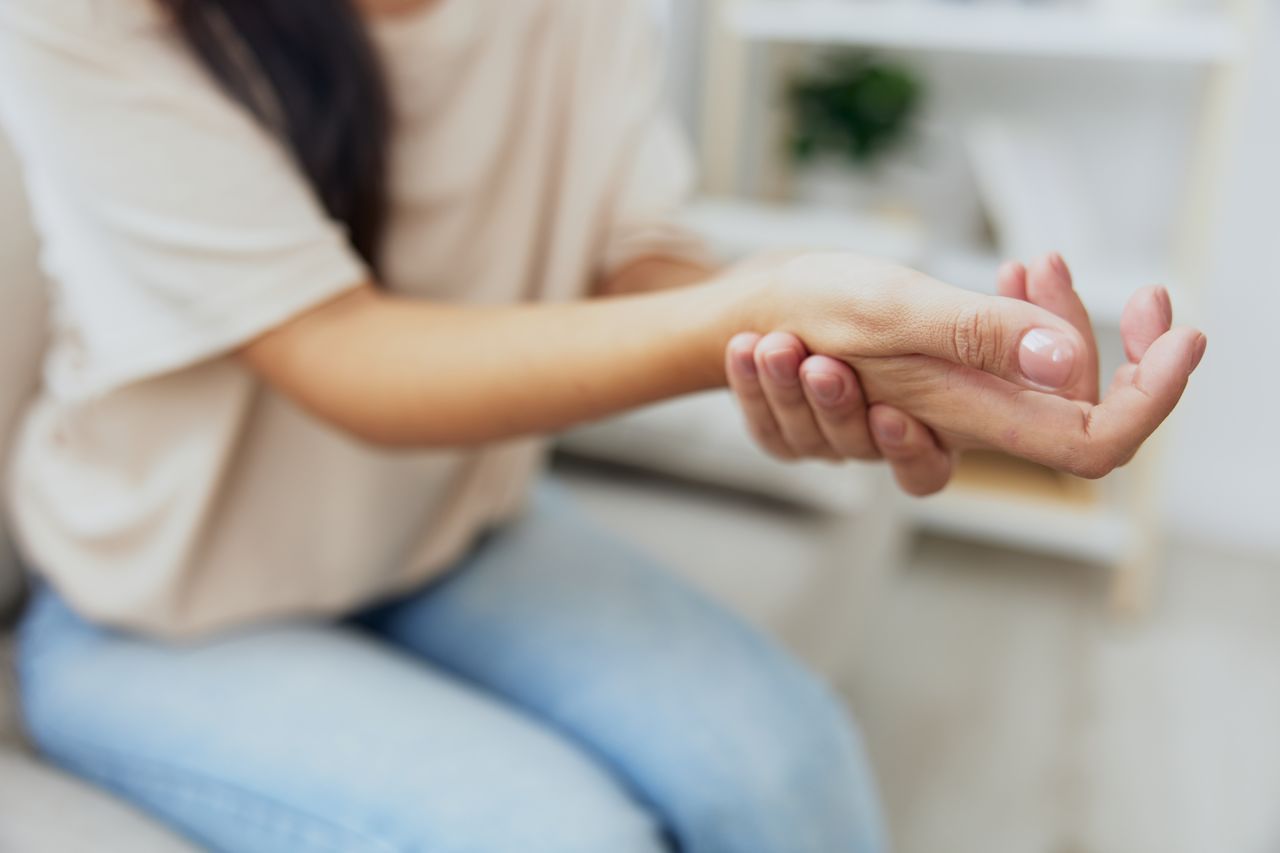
(408, 373)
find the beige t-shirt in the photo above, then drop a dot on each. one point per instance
(158, 484)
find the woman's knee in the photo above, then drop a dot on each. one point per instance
(778, 766)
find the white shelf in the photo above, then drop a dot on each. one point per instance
(991, 28)
(734, 228)
(1105, 288)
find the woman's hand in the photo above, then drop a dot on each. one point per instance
(800, 406)
(1019, 376)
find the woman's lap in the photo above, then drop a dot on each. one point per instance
(551, 693)
(309, 737)
(699, 714)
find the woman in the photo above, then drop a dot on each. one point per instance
(324, 272)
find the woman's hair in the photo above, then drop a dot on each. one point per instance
(307, 70)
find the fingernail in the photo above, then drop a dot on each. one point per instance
(890, 429)
(826, 387)
(745, 359)
(1198, 354)
(782, 364)
(1059, 265)
(1047, 358)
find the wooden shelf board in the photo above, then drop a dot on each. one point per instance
(997, 498)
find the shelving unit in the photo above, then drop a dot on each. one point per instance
(734, 227)
(992, 498)
(991, 29)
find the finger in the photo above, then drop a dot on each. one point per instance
(778, 358)
(1049, 285)
(920, 466)
(1123, 376)
(740, 367)
(1135, 408)
(1147, 316)
(1011, 281)
(1064, 434)
(839, 407)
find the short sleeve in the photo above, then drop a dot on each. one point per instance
(174, 227)
(653, 176)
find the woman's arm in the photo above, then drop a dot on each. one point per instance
(405, 372)
(411, 373)
(798, 406)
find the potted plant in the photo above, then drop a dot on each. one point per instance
(846, 116)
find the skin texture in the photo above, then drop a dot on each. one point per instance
(964, 379)
(407, 372)
(791, 416)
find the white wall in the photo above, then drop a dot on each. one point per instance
(1224, 479)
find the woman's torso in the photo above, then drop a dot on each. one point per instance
(197, 498)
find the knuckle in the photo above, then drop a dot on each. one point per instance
(975, 338)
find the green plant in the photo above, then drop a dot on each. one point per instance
(852, 106)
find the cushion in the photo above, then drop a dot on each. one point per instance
(703, 439)
(22, 335)
(45, 811)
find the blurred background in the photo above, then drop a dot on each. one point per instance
(1039, 663)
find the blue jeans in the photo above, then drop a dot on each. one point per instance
(556, 693)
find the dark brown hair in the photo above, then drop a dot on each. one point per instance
(307, 70)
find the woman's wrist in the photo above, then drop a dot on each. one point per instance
(721, 308)
(826, 300)
(839, 304)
